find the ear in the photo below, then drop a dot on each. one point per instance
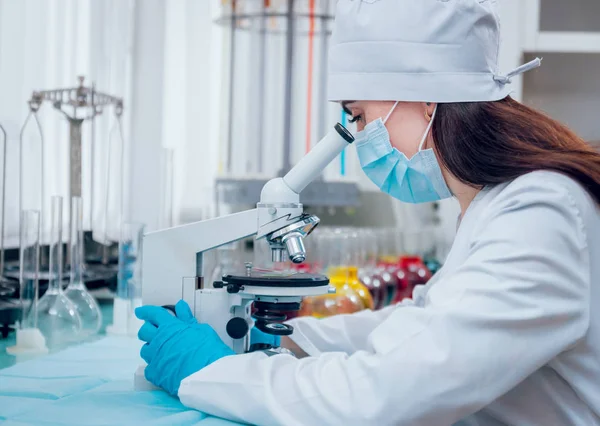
(428, 108)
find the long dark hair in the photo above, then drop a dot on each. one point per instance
(487, 143)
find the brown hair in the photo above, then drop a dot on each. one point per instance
(487, 143)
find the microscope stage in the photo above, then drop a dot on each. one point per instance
(276, 284)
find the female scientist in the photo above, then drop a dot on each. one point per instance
(508, 332)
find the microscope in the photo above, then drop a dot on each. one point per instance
(172, 265)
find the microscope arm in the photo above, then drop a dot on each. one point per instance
(175, 253)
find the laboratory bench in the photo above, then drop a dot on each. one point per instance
(87, 384)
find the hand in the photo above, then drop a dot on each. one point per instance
(177, 346)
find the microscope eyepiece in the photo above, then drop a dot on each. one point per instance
(344, 133)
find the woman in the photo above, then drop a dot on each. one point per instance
(505, 333)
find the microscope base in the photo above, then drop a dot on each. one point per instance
(140, 383)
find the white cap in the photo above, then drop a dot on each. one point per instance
(417, 50)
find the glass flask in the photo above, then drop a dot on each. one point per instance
(87, 307)
(388, 263)
(368, 274)
(344, 301)
(411, 273)
(346, 257)
(346, 277)
(410, 269)
(58, 319)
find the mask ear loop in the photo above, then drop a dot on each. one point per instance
(390, 113)
(428, 128)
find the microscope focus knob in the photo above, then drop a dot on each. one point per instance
(237, 328)
(233, 288)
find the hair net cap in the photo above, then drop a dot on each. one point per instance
(417, 50)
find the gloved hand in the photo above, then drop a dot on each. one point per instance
(258, 337)
(177, 346)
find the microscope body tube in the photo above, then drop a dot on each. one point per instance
(313, 163)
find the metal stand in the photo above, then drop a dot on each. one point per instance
(234, 189)
(287, 102)
(77, 104)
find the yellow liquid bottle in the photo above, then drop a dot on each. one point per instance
(343, 277)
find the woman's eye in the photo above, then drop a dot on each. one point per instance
(355, 119)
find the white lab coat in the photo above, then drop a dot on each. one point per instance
(505, 333)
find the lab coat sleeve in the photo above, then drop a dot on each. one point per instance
(341, 333)
(520, 299)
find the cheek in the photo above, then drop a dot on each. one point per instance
(406, 135)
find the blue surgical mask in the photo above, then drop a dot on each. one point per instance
(418, 180)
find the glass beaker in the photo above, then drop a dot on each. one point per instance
(58, 319)
(87, 307)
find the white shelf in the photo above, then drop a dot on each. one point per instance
(565, 42)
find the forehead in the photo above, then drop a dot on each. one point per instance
(351, 104)
(360, 105)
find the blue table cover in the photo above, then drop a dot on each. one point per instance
(90, 384)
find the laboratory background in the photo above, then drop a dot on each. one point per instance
(123, 117)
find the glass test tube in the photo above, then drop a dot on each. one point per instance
(76, 244)
(56, 252)
(29, 267)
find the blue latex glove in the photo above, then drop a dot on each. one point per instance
(177, 346)
(257, 336)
